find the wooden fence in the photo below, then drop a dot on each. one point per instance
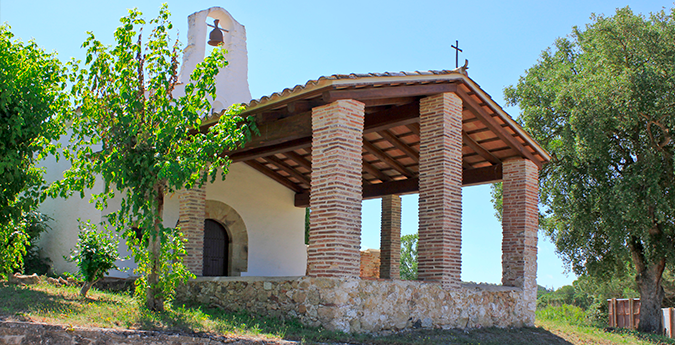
(669, 321)
(624, 312)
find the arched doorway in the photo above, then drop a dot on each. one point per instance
(216, 249)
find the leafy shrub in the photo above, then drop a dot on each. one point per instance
(95, 254)
(408, 268)
(36, 224)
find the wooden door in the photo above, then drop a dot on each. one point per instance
(216, 244)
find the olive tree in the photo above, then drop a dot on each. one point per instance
(602, 102)
(143, 142)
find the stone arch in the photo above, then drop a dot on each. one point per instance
(236, 230)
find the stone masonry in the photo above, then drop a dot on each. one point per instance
(362, 305)
(336, 190)
(191, 217)
(390, 237)
(440, 190)
(520, 217)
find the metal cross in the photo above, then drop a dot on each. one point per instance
(457, 50)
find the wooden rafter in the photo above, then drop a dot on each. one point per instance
(495, 127)
(479, 149)
(377, 152)
(299, 159)
(259, 152)
(400, 145)
(274, 176)
(288, 169)
(375, 172)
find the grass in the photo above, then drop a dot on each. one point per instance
(62, 305)
(572, 324)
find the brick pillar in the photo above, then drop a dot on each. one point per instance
(440, 201)
(390, 237)
(520, 220)
(336, 192)
(191, 215)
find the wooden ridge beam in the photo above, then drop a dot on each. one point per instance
(495, 127)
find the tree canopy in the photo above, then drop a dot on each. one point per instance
(32, 102)
(143, 141)
(602, 102)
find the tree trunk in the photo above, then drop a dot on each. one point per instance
(651, 296)
(155, 300)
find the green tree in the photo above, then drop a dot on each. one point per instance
(95, 254)
(602, 102)
(408, 267)
(32, 101)
(142, 141)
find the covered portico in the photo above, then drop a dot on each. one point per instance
(338, 140)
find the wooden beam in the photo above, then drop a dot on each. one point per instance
(298, 159)
(258, 152)
(372, 191)
(479, 149)
(400, 145)
(389, 101)
(415, 128)
(282, 135)
(375, 172)
(388, 92)
(495, 127)
(470, 177)
(396, 116)
(386, 159)
(282, 130)
(491, 174)
(288, 169)
(407, 186)
(274, 176)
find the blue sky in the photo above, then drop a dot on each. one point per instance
(290, 42)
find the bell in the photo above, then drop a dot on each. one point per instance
(216, 36)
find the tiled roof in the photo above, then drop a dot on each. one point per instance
(324, 80)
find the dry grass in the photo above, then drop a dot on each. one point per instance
(62, 305)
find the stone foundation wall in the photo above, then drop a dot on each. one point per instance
(355, 305)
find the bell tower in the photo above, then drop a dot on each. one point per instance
(232, 81)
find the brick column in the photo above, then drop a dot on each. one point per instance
(390, 237)
(520, 220)
(440, 203)
(191, 215)
(336, 191)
